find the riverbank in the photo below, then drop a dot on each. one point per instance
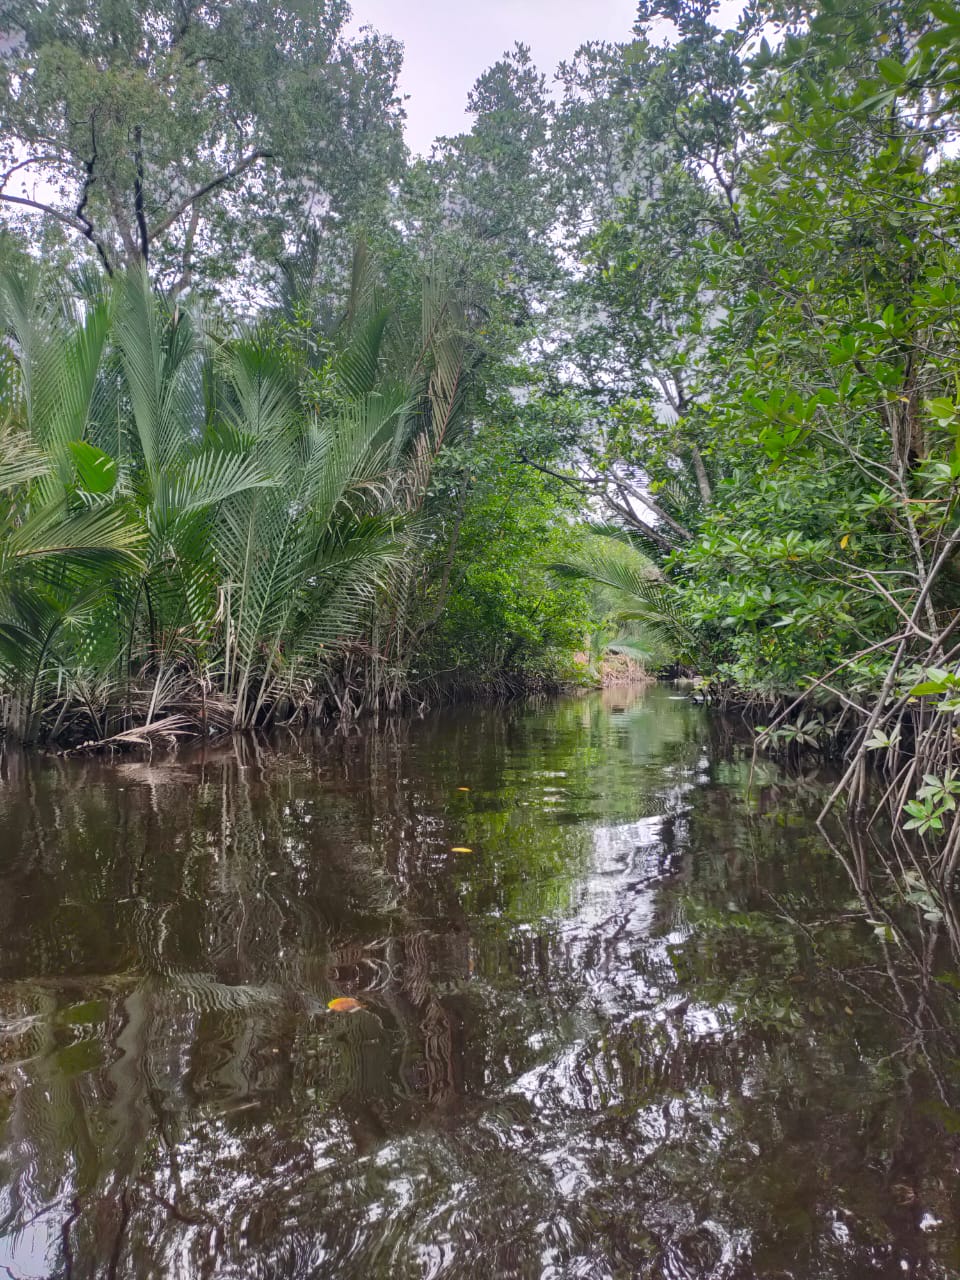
(184, 720)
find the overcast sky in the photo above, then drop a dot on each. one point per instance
(448, 45)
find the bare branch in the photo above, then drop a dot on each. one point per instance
(240, 167)
(25, 164)
(700, 471)
(67, 218)
(630, 491)
(186, 274)
(594, 488)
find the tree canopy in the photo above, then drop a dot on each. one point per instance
(200, 140)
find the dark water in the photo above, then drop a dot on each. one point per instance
(643, 1029)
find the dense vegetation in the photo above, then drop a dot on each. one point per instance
(218, 529)
(702, 297)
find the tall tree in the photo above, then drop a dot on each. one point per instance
(194, 138)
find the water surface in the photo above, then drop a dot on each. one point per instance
(642, 1029)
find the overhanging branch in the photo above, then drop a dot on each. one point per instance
(220, 181)
(68, 220)
(597, 490)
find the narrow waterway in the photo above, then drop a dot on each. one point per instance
(640, 1026)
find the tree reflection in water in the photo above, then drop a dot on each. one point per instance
(643, 1029)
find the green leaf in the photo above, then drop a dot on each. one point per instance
(944, 410)
(96, 470)
(894, 72)
(927, 686)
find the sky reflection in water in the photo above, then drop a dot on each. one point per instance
(641, 1030)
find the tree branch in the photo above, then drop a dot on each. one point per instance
(25, 164)
(76, 222)
(138, 196)
(67, 218)
(630, 517)
(240, 167)
(596, 489)
(186, 275)
(630, 491)
(85, 223)
(700, 471)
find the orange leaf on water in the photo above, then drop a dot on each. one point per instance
(463, 788)
(344, 1004)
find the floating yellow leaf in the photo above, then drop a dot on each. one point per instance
(463, 788)
(344, 1004)
(460, 848)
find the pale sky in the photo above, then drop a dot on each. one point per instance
(448, 45)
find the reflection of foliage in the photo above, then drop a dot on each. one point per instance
(644, 1003)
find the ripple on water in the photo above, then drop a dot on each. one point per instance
(638, 1032)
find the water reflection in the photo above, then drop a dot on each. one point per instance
(642, 1029)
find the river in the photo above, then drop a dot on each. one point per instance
(639, 1025)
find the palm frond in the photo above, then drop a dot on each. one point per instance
(644, 595)
(161, 374)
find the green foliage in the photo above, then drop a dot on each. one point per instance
(194, 138)
(935, 799)
(641, 616)
(708, 292)
(761, 336)
(505, 613)
(214, 528)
